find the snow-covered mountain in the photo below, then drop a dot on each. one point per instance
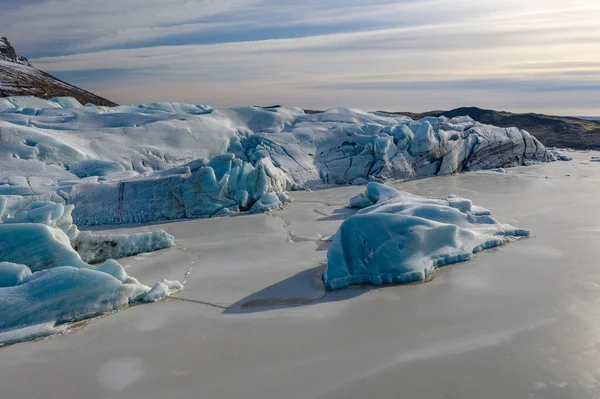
(19, 78)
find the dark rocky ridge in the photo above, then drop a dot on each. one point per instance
(19, 78)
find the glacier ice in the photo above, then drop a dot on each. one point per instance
(398, 237)
(46, 278)
(168, 160)
(92, 248)
(12, 274)
(37, 246)
(95, 248)
(62, 295)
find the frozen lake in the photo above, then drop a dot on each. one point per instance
(254, 321)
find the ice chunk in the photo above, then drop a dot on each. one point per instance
(12, 274)
(61, 295)
(267, 203)
(162, 290)
(403, 136)
(402, 238)
(373, 194)
(51, 214)
(200, 193)
(94, 248)
(64, 287)
(424, 142)
(37, 246)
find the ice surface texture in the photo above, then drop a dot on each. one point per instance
(92, 248)
(399, 238)
(45, 282)
(169, 160)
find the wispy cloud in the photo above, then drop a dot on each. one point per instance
(314, 53)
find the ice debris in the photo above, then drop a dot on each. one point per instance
(398, 237)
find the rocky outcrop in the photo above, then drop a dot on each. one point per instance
(8, 53)
(19, 78)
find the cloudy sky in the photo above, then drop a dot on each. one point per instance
(415, 55)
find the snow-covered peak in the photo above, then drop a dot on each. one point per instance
(8, 53)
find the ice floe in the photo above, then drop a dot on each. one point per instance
(46, 279)
(399, 238)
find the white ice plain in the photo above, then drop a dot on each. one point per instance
(63, 165)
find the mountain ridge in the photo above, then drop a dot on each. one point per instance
(19, 78)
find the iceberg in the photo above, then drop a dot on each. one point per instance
(46, 279)
(63, 295)
(398, 237)
(92, 248)
(165, 161)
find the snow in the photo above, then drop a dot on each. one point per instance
(45, 275)
(401, 238)
(167, 161)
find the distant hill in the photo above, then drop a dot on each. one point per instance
(19, 78)
(552, 131)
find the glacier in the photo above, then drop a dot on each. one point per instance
(64, 165)
(397, 237)
(46, 279)
(167, 161)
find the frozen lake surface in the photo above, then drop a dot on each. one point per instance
(254, 321)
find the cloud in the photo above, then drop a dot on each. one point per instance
(86, 26)
(353, 51)
(513, 85)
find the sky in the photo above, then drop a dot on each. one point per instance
(404, 55)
